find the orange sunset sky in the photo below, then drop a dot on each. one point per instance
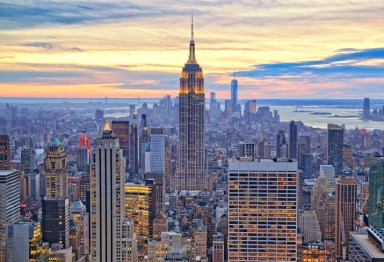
(280, 49)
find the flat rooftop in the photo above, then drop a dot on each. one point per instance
(368, 246)
(7, 172)
(247, 164)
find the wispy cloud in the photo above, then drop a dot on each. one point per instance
(344, 64)
(282, 48)
(52, 46)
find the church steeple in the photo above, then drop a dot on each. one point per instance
(192, 58)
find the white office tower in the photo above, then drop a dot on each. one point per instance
(262, 211)
(107, 198)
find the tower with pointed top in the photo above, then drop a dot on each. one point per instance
(191, 171)
(234, 91)
(107, 198)
(56, 170)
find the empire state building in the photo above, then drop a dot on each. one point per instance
(191, 173)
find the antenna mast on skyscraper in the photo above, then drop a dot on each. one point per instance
(192, 28)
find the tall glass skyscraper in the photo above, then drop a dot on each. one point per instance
(157, 163)
(234, 92)
(335, 147)
(192, 172)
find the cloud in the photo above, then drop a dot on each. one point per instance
(14, 14)
(344, 64)
(52, 46)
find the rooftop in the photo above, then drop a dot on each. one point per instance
(368, 246)
(55, 142)
(7, 172)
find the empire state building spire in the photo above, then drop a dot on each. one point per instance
(192, 172)
(192, 58)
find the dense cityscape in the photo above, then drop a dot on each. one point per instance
(188, 178)
(125, 137)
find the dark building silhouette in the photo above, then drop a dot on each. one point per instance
(292, 140)
(281, 144)
(55, 223)
(121, 131)
(335, 147)
(366, 109)
(5, 155)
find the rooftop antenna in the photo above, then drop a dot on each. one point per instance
(192, 28)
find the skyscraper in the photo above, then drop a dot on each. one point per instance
(292, 140)
(335, 147)
(247, 149)
(25, 242)
(84, 153)
(9, 203)
(234, 91)
(192, 171)
(376, 192)
(304, 157)
(144, 145)
(139, 209)
(366, 109)
(83, 159)
(133, 148)
(107, 198)
(121, 131)
(5, 155)
(345, 213)
(262, 211)
(28, 160)
(281, 145)
(55, 223)
(157, 150)
(213, 105)
(250, 111)
(56, 170)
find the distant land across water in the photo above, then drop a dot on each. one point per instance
(336, 111)
(150, 101)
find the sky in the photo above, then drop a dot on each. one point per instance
(279, 49)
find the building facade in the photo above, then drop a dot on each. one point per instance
(107, 198)
(234, 93)
(5, 152)
(121, 131)
(56, 170)
(335, 147)
(55, 222)
(139, 210)
(376, 192)
(191, 173)
(292, 140)
(262, 212)
(10, 205)
(345, 214)
(157, 146)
